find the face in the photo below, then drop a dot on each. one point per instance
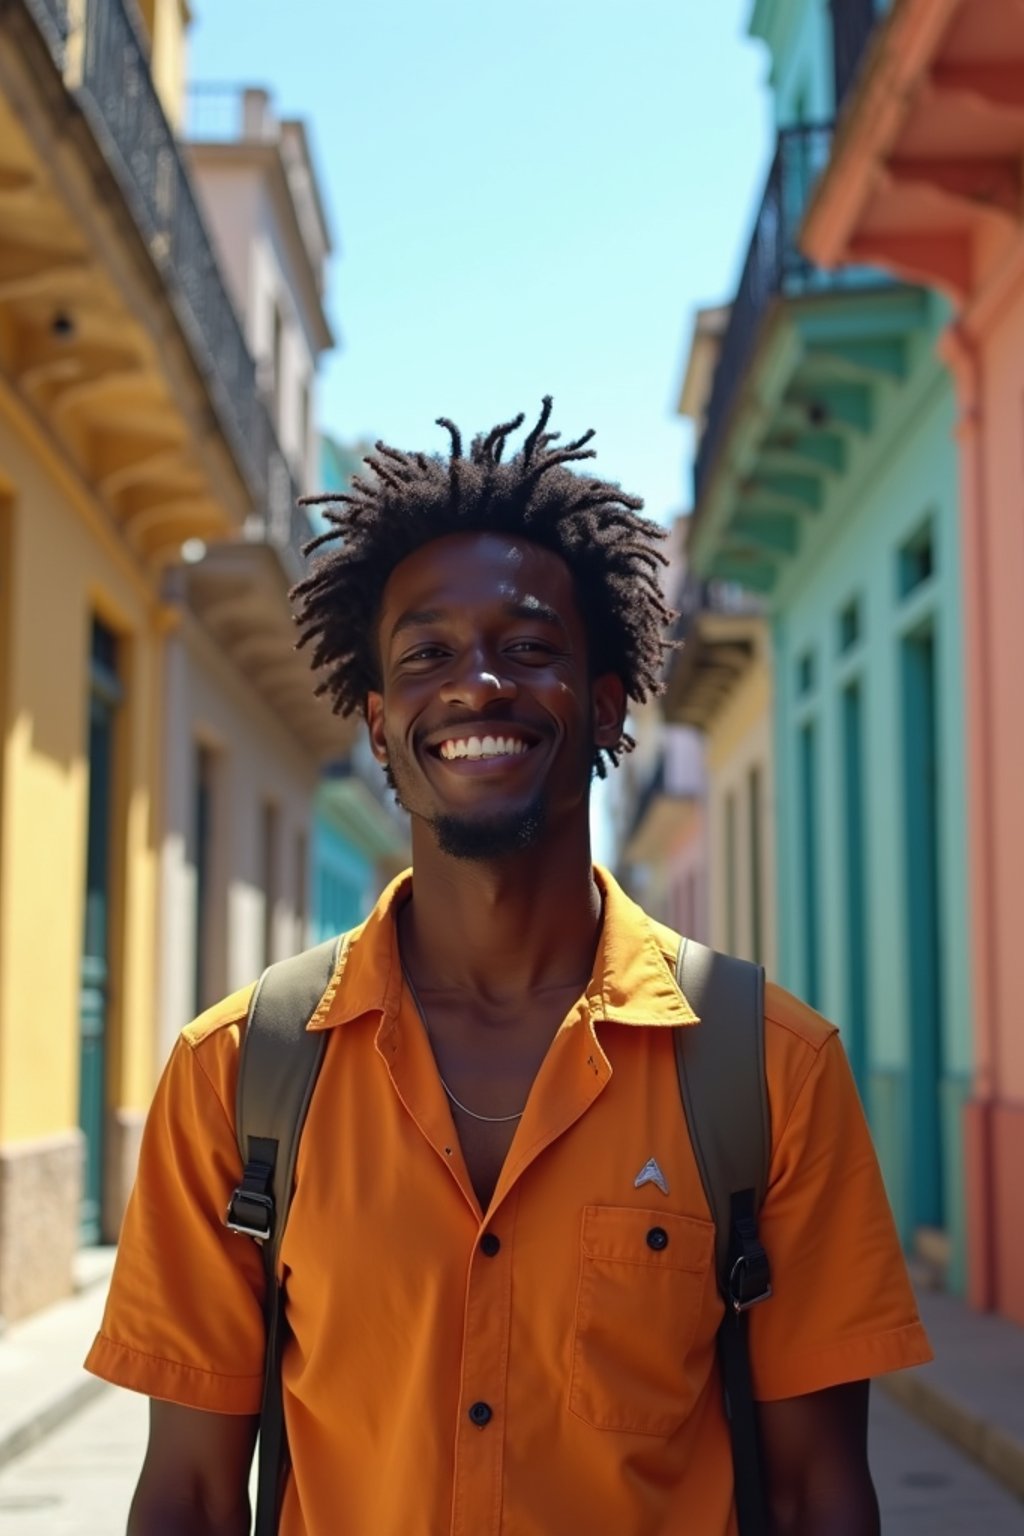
(487, 714)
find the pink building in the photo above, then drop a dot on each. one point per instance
(926, 180)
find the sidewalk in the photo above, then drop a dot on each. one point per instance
(41, 1378)
(973, 1393)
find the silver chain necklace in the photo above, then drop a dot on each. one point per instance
(486, 1119)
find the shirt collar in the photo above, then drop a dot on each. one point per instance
(633, 980)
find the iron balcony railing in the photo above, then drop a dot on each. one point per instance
(114, 89)
(774, 266)
(853, 22)
(697, 597)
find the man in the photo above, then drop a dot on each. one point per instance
(482, 1339)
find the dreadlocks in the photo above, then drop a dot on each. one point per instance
(410, 499)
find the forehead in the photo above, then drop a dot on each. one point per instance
(471, 571)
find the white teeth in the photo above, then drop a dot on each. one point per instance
(488, 746)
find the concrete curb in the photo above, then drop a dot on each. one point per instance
(42, 1382)
(44, 1420)
(999, 1453)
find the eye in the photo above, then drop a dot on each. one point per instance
(537, 646)
(422, 653)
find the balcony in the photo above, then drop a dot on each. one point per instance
(853, 22)
(774, 266)
(102, 62)
(718, 634)
(807, 365)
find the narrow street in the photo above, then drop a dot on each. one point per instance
(79, 1482)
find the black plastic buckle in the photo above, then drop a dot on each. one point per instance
(250, 1214)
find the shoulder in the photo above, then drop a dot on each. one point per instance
(798, 1024)
(226, 1017)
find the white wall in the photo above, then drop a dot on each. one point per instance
(257, 762)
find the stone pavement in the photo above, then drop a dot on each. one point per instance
(70, 1448)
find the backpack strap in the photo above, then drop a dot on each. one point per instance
(720, 1063)
(277, 1072)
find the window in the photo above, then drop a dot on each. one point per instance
(301, 897)
(806, 674)
(916, 560)
(278, 356)
(202, 827)
(268, 876)
(807, 762)
(755, 825)
(730, 874)
(849, 626)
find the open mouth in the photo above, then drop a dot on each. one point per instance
(492, 747)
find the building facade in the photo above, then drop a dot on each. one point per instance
(131, 425)
(924, 180)
(825, 481)
(658, 801)
(245, 738)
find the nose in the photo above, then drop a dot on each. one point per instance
(476, 684)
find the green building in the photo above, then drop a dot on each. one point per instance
(826, 481)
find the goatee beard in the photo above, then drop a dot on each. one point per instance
(494, 837)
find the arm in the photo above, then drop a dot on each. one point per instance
(816, 1465)
(195, 1476)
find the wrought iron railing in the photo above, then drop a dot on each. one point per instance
(697, 597)
(774, 266)
(115, 91)
(853, 22)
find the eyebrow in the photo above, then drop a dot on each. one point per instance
(529, 609)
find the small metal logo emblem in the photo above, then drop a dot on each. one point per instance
(650, 1173)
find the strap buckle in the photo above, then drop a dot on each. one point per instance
(749, 1281)
(250, 1214)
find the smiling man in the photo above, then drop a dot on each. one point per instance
(498, 1266)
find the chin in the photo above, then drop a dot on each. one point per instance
(485, 838)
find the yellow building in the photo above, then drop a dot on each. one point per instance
(719, 681)
(130, 423)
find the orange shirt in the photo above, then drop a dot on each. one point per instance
(593, 1353)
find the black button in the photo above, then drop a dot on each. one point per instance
(657, 1238)
(481, 1414)
(490, 1243)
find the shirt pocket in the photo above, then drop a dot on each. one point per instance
(642, 1289)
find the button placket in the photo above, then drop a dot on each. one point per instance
(479, 1455)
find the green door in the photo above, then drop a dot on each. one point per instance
(921, 769)
(104, 697)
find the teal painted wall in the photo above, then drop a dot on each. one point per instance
(344, 883)
(854, 556)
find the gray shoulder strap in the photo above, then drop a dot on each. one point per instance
(277, 1073)
(722, 1079)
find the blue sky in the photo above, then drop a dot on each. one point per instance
(526, 199)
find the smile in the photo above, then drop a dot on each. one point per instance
(476, 747)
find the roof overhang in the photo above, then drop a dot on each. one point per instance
(822, 363)
(714, 657)
(926, 177)
(666, 821)
(239, 594)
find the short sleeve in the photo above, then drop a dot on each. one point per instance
(183, 1320)
(842, 1307)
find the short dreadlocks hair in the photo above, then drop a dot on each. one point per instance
(411, 499)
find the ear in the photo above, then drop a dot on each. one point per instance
(608, 702)
(375, 726)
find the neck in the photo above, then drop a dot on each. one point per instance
(501, 931)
